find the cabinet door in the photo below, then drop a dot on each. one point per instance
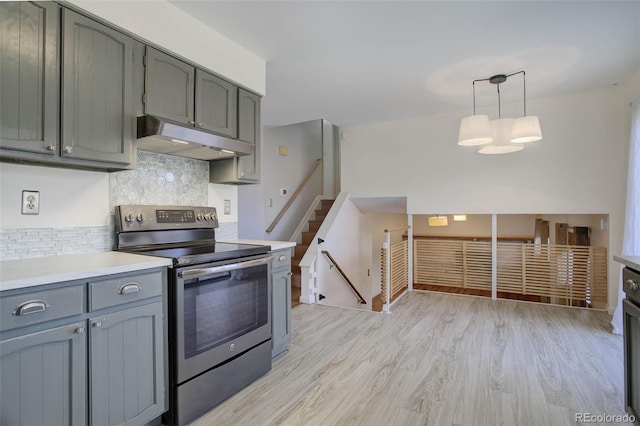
(281, 311)
(97, 82)
(249, 131)
(127, 366)
(43, 378)
(169, 87)
(29, 80)
(216, 104)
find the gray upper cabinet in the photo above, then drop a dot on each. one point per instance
(244, 169)
(29, 77)
(216, 104)
(127, 366)
(97, 79)
(44, 377)
(180, 92)
(169, 87)
(249, 131)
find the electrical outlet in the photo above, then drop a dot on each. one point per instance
(30, 202)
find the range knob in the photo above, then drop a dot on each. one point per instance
(140, 218)
(199, 216)
(633, 284)
(128, 218)
(207, 216)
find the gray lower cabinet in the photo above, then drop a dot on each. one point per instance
(43, 377)
(29, 76)
(127, 365)
(281, 301)
(244, 169)
(82, 353)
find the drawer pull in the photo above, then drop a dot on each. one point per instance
(282, 258)
(30, 307)
(129, 288)
(79, 330)
(96, 324)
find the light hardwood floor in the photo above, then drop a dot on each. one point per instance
(438, 359)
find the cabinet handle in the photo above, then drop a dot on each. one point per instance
(129, 288)
(282, 258)
(68, 150)
(290, 273)
(51, 148)
(79, 330)
(192, 122)
(96, 324)
(30, 307)
(199, 124)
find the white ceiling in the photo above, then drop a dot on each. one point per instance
(358, 62)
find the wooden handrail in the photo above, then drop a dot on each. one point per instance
(397, 228)
(353, 288)
(294, 196)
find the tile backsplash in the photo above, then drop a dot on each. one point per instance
(158, 179)
(161, 179)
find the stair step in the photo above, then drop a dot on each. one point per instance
(296, 280)
(314, 225)
(307, 237)
(320, 215)
(326, 204)
(296, 270)
(300, 250)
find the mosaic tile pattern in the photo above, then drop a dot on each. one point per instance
(40, 242)
(227, 231)
(161, 179)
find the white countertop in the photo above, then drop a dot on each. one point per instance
(632, 262)
(275, 245)
(21, 273)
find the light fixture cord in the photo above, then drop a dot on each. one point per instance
(499, 107)
(524, 92)
(474, 97)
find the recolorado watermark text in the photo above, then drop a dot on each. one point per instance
(604, 418)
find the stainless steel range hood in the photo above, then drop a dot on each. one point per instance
(165, 136)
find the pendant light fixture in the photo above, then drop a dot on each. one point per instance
(503, 135)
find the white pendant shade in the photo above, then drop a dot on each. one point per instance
(474, 130)
(501, 132)
(526, 129)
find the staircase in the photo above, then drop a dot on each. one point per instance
(300, 249)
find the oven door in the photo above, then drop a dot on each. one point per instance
(222, 310)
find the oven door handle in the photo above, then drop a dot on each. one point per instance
(196, 273)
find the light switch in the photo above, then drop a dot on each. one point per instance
(227, 206)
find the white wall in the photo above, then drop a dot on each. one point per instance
(217, 195)
(304, 143)
(578, 168)
(68, 198)
(164, 24)
(349, 242)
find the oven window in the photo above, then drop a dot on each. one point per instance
(219, 308)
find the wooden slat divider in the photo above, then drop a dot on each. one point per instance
(572, 275)
(399, 253)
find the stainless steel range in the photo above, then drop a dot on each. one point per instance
(219, 303)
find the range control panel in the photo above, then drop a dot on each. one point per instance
(151, 218)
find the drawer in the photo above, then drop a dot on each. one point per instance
(281, 258)
(39, 306)
(113, 292)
